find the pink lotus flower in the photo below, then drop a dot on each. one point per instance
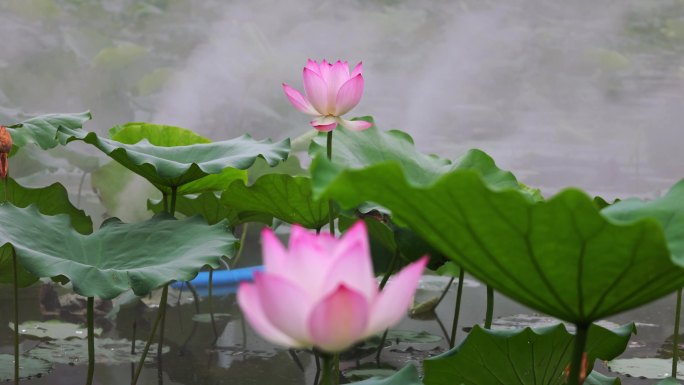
(322, 292)
(331, 91)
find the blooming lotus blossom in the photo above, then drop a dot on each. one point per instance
(331, 91)
(322, 292)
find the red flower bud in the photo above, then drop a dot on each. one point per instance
(5, 148)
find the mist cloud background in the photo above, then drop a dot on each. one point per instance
(583, 93)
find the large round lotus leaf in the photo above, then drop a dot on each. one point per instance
(561, 257)
(29, 367)
(209, 206)
(522, 357)
(50, 200)
(288, 198)
(139, 256)
(42, 130)
(668, 210)
(169, 167)
(54, 330)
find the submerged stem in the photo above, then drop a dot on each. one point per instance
(331, 214)
(675, 337)
(457, 310)
(16, 311)
(150, 338)
(211, 302)
(490, 308)
(91, 339)
(576, 376)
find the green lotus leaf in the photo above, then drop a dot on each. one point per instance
(140, 256)
(50, 200)
(42, 130)
(669, 381)
(288, 198)
(561, 257)
(171, 136)
(169, 168)
(406, 376)
(209, 206)
(522, 357)
(358, 149)
(668, 211)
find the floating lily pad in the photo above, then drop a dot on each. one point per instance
(596, 378)
(75, 351)
(644, 367)
(172, 167)
(561, 256)
(140, 256)
(42, 130)
(406, 336)
(519, 321)
(53, 330)
(669, 381)
(532, 356)
(205, 318)
(406, 376)
(29, 367)
(363, 374)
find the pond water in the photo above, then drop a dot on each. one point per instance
(239, 356)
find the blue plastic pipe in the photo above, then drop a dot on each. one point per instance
(222, 280)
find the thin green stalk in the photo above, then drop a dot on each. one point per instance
(457, 310)
(575, 377)
(91, 340)
(80, 189)
(151, 337)
(331, 368)
(165, 201)
(172, 209)
(490, 308)
(165, 291)
(243, 238)
(331, 212)
(16, 312)
(211, 306)
(675, 337)
(385, 278)
(162, 309)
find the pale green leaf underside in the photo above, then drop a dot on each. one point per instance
(171, 167)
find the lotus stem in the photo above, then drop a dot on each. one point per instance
(675, 337)
(444, 292)
(331, 369)
(162, 309)
(172, 209)
(243, 238)
(380, 347)
(16, 310)
(490, 308)
(211, 302)
(385, 278)
(576, 376)
(80, 189)
(457, 310)
(150, 338)
(331, 216)
(91, 340)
